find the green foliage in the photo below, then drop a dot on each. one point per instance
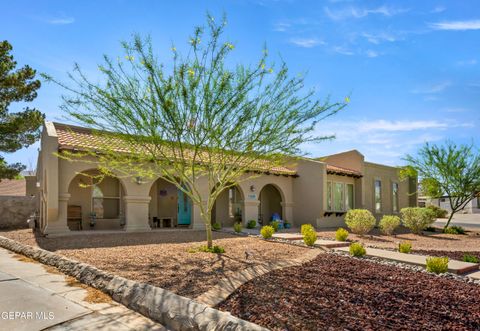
(267, 231)
(470, 258)
(455, 229)
(237, 227)
(451, 170)
(357, 249)
(310, 237)
(439, 212)
(405, 247)
(251, 224)
(214, 249)
(19, 129)
(389, 223)
(437, 265)
(417, 219)
(360, 221)
(341, 234)
(196, 116)
(274, 225)
(216, 226)
(306, 227)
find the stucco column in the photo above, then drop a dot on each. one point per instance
(60, 224)
(197, 220)
(136, 213)
(287, 211)
(250, 211)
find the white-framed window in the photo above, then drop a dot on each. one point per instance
(329, 196)
(338, 196)
(349, 197)
(106, 198)
(395, 197)
(378, 195)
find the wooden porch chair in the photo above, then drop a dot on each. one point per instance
(74, 214)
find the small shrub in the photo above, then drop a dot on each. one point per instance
(310, 237)
(216, 226)
(405, 247)
(341, 234)
(237, 227)
(215, 249)
(417, 219)
(437, 265)
(357, 249)
(389, 223)
(306, 227)
(439, 212)
(360, 221)
(267, 231)
(251, 224)
(454, 230)
(470, 258)
(430, 229)
(274, 225)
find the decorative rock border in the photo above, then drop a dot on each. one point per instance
(228, 285)
(171, 310)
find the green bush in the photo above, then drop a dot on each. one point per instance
(310, 237)
(405, 247)
(215, 249)
(306, 227)
(454, 230)
(388, 224)
(360, 221)
(216, 226)
(437, 265)
(417, 219)
(237, 227)
(341, 234)
(267, 231)
(274, 225)
(470, 258)
(357, 249)
(439, 212)
(251, 224)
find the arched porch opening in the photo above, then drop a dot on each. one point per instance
(169, 206)
(95, 202)
(228, 207)
(270, 204)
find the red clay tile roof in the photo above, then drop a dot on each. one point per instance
(334, 170)
(73, 137)
(13, 187)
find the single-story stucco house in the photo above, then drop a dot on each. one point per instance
(316, 191)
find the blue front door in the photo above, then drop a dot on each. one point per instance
(184, 208)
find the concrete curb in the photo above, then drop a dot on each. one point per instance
(171, 310)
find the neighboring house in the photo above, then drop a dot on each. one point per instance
(317, 191)
(17, 201)
(473, 207)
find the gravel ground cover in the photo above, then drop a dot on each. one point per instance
(163, 258)
(428, 241)
(341, 293)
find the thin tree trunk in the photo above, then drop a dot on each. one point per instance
(449, 219)
(208, 227)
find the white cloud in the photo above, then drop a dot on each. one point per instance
(456, 25)
(470, 62)
(379, 37)
(432, 89)
(342, 50)
(356, 12)
(306, 42)
(438, 9)
(61, 21)
(370, 53)
(281, 26)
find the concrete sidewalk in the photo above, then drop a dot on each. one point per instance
(34, 299)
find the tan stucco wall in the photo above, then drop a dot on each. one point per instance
(351, 160)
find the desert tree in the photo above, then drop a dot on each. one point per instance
(447, 170)
(17, 129)
(195, 118)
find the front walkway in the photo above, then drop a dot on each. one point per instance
(35, 299)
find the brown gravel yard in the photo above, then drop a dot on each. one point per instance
(340, 293)
(163, 258)
(428, 241)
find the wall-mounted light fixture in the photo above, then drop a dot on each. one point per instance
(37, 184)
(139, 180)
(252, 188)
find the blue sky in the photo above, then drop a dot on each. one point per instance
(411, 67)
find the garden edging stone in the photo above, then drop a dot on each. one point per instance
(169, 309)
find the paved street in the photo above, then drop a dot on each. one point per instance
(34, 299)
(467, 221)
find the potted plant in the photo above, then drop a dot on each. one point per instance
(93, 219)
(287, 225)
